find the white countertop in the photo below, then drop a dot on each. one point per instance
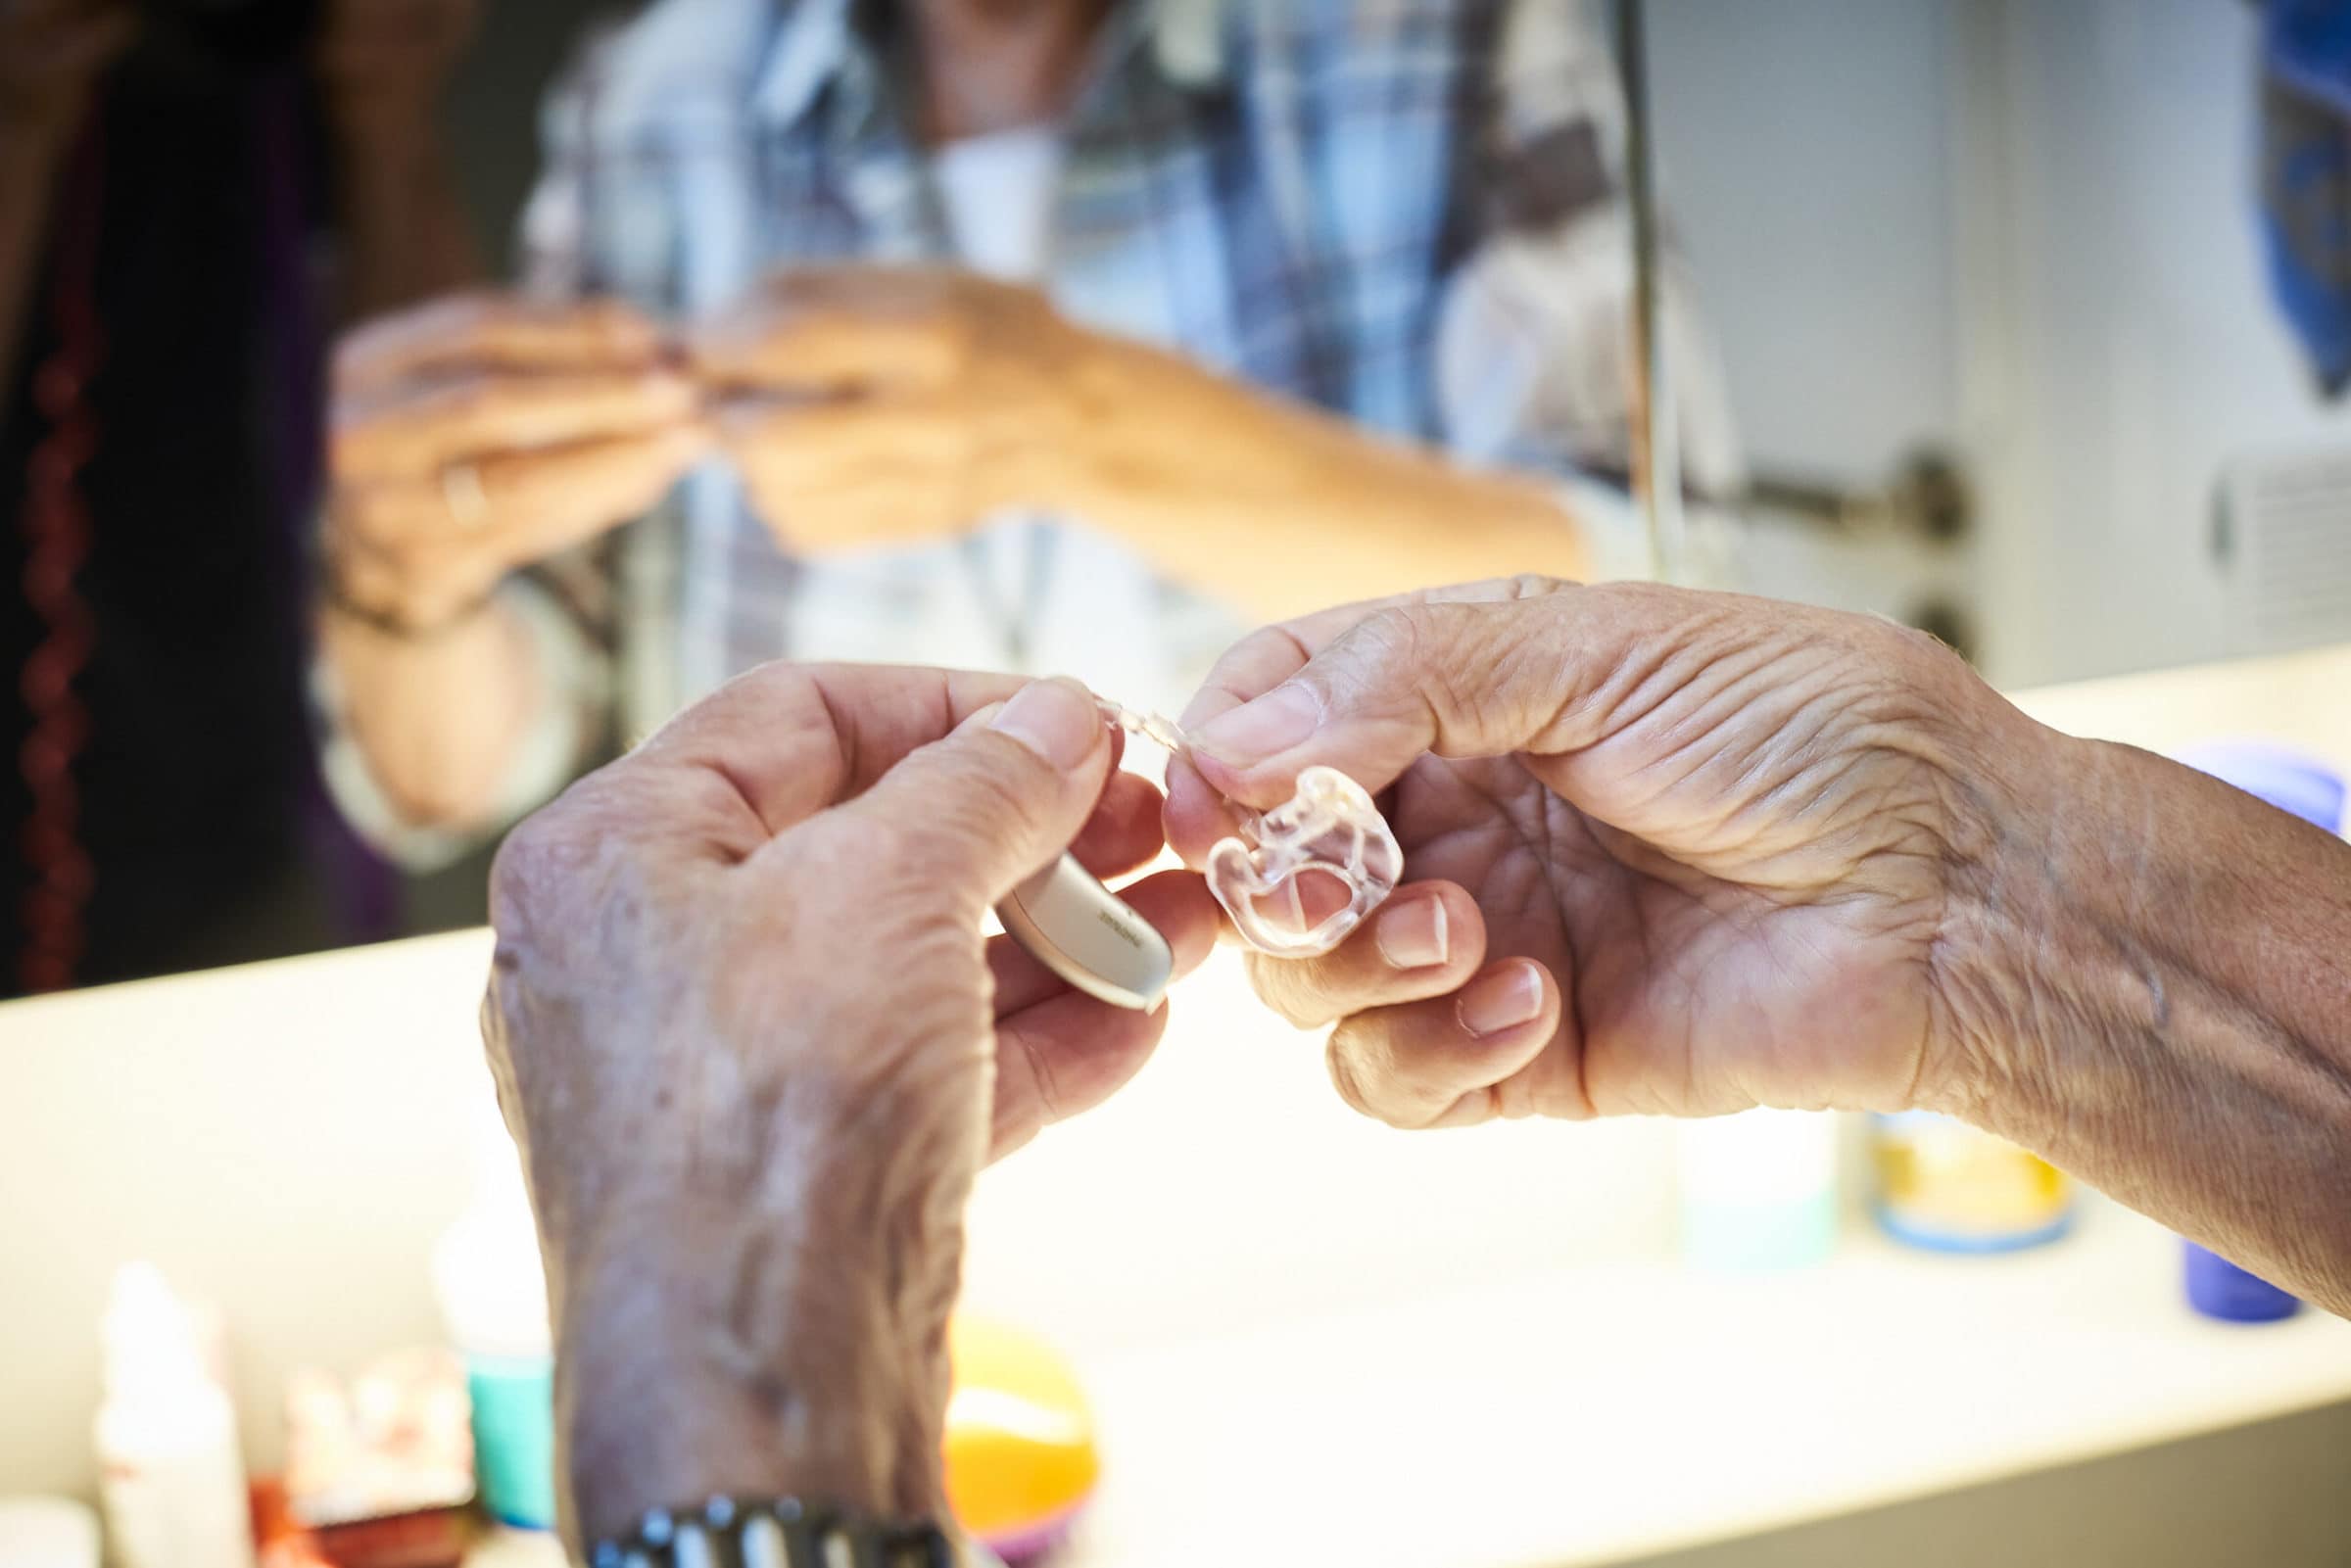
(1299, 1330)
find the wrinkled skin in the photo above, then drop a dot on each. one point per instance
(1724, 834)
(754, 1048)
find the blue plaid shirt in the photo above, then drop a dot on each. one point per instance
(1402, 211)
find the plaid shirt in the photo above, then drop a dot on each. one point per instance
(1401, 211)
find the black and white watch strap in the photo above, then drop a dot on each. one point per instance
(773, 1532)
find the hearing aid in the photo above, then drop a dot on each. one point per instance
(1295, 880)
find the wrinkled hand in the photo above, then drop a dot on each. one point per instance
(754, 1048)
(1668, 851)
(52, 52)
(877, 404)
(481, 433)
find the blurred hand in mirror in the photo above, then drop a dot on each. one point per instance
(483, 433)
(872, 404)
(877, 404)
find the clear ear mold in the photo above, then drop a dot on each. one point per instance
(1296, 880)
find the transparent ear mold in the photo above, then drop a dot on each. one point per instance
(1296, 880)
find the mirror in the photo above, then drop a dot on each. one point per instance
(1973, 315)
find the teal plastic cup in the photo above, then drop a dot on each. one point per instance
(514, 1437)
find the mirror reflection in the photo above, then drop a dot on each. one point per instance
(1077, 338)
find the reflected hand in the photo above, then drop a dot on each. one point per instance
(876, 404)
(1686, 853)
(483, 433)
(754, 1050)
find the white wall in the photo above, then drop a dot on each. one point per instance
(2021, 228)
(1805, 148)
(2144, 349)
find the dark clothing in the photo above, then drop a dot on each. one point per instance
(197, 780)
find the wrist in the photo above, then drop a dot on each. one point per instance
(2018, 992)
(1148, 430)
(394, 617)
(779, 1330)
(1167, 450)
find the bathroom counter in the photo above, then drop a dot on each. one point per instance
(1307, 1338)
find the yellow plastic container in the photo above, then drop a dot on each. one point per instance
(1949, 1187)
(1021, 1458)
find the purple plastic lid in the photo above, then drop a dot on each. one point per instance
(2289, 780)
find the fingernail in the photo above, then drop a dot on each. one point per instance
(1502, 1000)
(1412, 935)
(1055, 719)
(1263, 727)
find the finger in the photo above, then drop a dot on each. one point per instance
(407, 543)
(827, 329)
(1497, 669)
(1448, 1060)
(1426, 940)
(415, 431)
(795, 441)
(1196, 818)
(1124, 833)
(970, 817)
(1061, 1057)
(854, 473)
(498, 331)
(1272, 655)
(530, 504)
(1174, 903)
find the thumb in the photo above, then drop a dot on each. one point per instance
(1477, 677)
(975, 814)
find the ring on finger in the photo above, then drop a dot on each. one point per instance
(461, 491)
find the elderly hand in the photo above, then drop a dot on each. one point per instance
(876, 404)
(1670, 852)
(754, 1048)
(479, 434)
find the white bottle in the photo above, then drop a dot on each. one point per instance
(171, 1478)
(1758, 1189)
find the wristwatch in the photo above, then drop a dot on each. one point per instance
(780, 1533)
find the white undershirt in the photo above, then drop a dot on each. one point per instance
(1096, 613)
(998, 194)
